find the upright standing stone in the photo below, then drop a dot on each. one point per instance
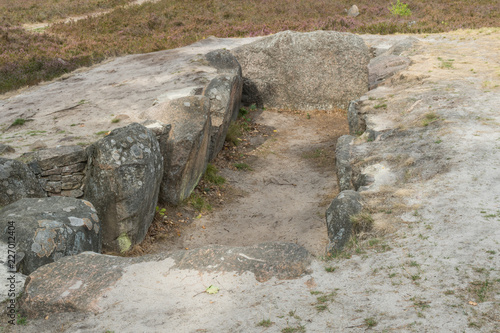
(186, 151)
(317, 70)
(338, 218)
(123, 180)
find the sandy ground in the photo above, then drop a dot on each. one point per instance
(284, 197)
(432, 266)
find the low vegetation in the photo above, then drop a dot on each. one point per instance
(30, 56)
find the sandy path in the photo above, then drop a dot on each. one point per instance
(285, 196)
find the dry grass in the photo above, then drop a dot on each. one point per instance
(27, 58)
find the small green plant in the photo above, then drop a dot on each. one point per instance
(400, 9)
(19, 122)
(308, 116)
(330, 269)
(253, 107)
(160, 211)
(378, 106)
(243, 166)
(321, 307)
(481, 289)
(298, 329)
(102, 133)
(446, 64)
(116, 120)
(265, 323)
(429, 118)
(199, 203)
(362, 222)
(211, 175)
(370, 322)
(21, 320)
(243, 112)
(233, 134)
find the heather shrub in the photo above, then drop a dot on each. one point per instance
(27, 58)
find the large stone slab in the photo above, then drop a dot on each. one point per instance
(305, 71)
(17, 181)
(48, 229)
(123, 179)
(90, 282)
(224, 93)
(186, 151)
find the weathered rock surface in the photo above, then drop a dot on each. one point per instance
(5, 149)
(224, 61)
(17, 181)
(305, 71)
(384, 66)
(186, 151)
(338, 218)
(78, 283)
(343, 162)
(402, 46)
(224, 93)
(265, 260)
(60, 156)
(357, 124)
(123, 177)
(71, 284)
(353, 11)
(47, 229)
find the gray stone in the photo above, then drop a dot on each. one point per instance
(47, 229)
(123, 178)
(54, 187)
(343, 162)
(224, 93)
(318, 70)
(338, 219)
(73, 168)
(385, 66)
(353, 11)
(71, 182)
(228, 67)
(72, 193)
(357, 124)
(50, 172)
(53, 178)
(37, 145)
(5, 149)
(402, 46)
(17, 181)
(59, 157)
(78, 283)
(185, 152)
(224, 62)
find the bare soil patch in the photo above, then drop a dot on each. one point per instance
(279, 181)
